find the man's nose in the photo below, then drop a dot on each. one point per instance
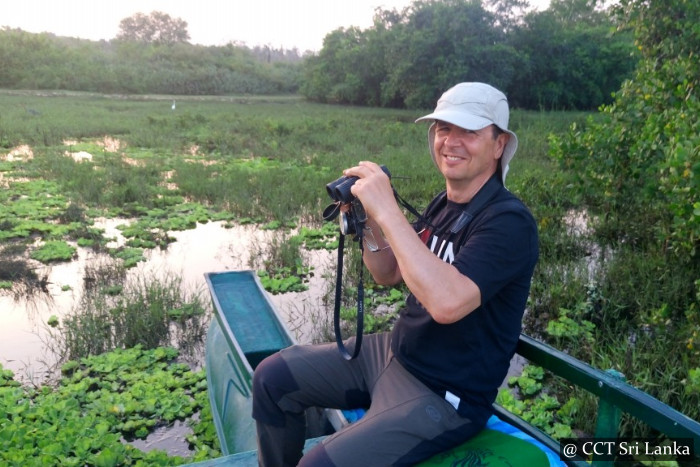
(450, 139)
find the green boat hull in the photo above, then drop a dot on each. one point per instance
(246, 329)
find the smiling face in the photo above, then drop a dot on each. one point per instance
(466, 158)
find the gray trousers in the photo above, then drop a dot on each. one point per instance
(405, 422)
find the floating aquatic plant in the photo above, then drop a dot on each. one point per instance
(101, 401)
(54, 250)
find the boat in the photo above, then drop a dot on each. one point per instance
(247, 328)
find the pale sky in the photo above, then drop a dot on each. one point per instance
(279, 23)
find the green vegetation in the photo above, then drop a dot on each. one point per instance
(562, 58)
(537, 406)
(56, 250)
(100, 400)
(117, 312)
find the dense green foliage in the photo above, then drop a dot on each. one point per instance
(43, 61)
(100, 400)
(569, 57)
(636, 170)
(643, 157)
(561, 58)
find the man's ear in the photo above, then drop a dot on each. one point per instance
(501, 143)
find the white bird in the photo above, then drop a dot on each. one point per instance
(173, 106)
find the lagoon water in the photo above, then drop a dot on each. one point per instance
(209, 247)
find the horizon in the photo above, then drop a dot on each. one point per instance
(301, 25)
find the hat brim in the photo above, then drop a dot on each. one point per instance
(462, 120)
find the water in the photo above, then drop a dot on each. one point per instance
(171, 439)
(209, 247)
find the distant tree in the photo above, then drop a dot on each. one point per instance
(440, 43)
(571, 58)
(342, 72)
(157, 27)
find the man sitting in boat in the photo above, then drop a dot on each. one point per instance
(430, 383)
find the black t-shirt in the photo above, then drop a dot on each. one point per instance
(497, 250)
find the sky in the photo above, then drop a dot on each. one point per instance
(300, 24)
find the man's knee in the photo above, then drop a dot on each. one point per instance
(272, 380)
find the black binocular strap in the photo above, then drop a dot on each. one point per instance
(360, 305)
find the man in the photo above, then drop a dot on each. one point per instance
(430, 383)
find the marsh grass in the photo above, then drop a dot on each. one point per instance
(267, 158)
(118, 311)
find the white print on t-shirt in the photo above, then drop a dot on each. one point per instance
(446, 251)
(452, 399)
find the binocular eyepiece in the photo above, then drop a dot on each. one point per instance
(339, 190)
(352, 221)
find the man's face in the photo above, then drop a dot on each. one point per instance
(465, 156)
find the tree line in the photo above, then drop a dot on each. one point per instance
(565, 57)
(45, 61)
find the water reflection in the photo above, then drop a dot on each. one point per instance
(172, 439)
(207, 248)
